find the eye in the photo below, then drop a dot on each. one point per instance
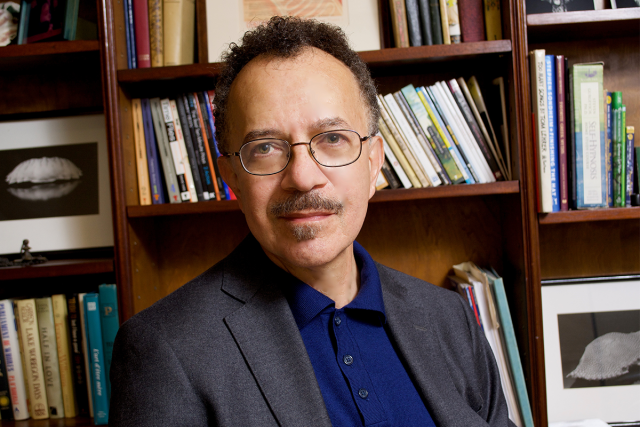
(264, 148)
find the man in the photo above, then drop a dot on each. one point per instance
(299, 326)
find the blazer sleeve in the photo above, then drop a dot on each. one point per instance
(148, 385)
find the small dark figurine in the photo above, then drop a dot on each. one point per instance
(4, 262)
(27, 258)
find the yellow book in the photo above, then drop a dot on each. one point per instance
(444, 16)
(402, 159)
(144, 188)
(60, 319)
(492, 19)
(155, 33)
(179, 18)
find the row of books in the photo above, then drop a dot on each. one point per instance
(44, 20)
(429, 22)
(176, 150)
(57, 355)
(584, 148)
(484, 290)
(442, 134)
(159, 33)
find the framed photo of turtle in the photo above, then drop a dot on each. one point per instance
(592, 349)
(54, 184)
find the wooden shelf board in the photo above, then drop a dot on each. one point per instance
(49, 48)
(463, 190)
(62, 422)
(169, 73)
(72, 267)
(590, 24)
(611, 214)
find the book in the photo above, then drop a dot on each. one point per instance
(552, 115)
(209, 107)
(110, 323)
(178, 36)
(395, 164)
(50, 362)
(561, 108)
(444, 20)
(201, 152)
(6, 410)
(425, 22)
(180, 137)
(397, 151)
(153, 160)
(70, 24)
(511, 346)
(141, 31)
(399, 23)
(492, 19)
(471, 20)
(142, 167)
(96, 359)
(413, 23)
(46, 20)
(630, 140)
(390, 176)
(132, 60)
(177, 156)
(453, 16)
(164, 152)
(619, 151)
(34, 374)
(381, 182)
(539, 109)
(77, 356)
(608, 137)
(13, 361)
(186, 126)
(61, 323)
(588, 133)
(504, 123)
(86, 350)
(201, 110)
(23, 24)
(156, 43)
(436, 21)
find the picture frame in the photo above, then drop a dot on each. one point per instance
(54, 184)
(226, 22)
(591, 331)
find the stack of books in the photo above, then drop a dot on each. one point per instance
(159, 33)
(585, 150)
(442, 134)
(57, 355)
(430, 22)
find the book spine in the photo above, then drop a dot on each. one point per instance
(86, 350)
(201, 151)
(493, 19)
(110, 323)
(174, 149)
(164, 152)
(425, 22)
(6, 410)
(392, 180)
(184, 152)
(504, 125)
(132, 33)
(436, 21)
(206, 136)
(178, 32)
(77, 356)
(608, 120)
(13, 361)
(453, 15)
(186, 125)
(444, 20)
(211, 125)
(127, 33)
(539, 108)
(61, 323)
(50, 362)
(397, 151)
(395, 164)
(141, 28)
(413, 25)
(38, 405)
(142, 167)
(153, 162)
(156, 43)
(562, 134)
(630, 140)
(399, 23)
(471, 20)
(550, 69)
(96, 359)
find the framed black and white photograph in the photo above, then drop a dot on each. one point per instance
(558, 6)
(54, 187)
(592, 349)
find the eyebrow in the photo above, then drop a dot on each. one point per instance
(318, 126)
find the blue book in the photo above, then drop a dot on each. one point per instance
(552, 114)
(513, 355)
(96, 359)
(608, 115)
(110, 324)
(153, 161)
(130, 34)
(630, 140)
(212, 123)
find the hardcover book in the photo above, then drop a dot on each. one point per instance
(413, 24)
(178, 37)
(141, 31)
(49, 351)
(561, 109)
(541, 128)
(552, 115)
(453, 16)
(153, 161)
(436, 21)
(110, 323)
(156, 43)
(399, 23)
(77, 356)
(86, 350)
(61, 322)
(13, 361)
(142, 167)
(96, 359)
(6, 410)
(492, 19)
(425, 22)
(471, 20)
(608, 118)
(630, 140)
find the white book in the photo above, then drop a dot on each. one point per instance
(176, 154)
(50, 361)
(85, 349)
(453, 121)
(410, 137)
(541, 132)
(183, 152)
(13, 361)
(395, 164)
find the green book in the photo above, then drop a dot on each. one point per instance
(619, 151)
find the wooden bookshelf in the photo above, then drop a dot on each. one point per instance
(63, 422)
(57, 268)
(49, 48)
(583, 25)
(611, 214)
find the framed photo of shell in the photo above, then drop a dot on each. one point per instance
(592, 348)
(54, 184)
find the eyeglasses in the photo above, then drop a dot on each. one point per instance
(269, 156)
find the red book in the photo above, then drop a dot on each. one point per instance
(471, 20)
(141, 25)
(562, 133)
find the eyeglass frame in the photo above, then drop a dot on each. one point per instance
(237, 153)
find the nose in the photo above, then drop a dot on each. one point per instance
(302, 173)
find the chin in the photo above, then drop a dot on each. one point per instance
(311, 251)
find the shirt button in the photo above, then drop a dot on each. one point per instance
(363, 393)
(348, 359)
(337, 320)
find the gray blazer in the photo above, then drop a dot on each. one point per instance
(224, 350)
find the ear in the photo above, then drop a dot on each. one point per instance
(376, 159)
(230, 176)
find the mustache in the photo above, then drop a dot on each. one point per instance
(300, 201)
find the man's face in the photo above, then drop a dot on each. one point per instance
(306, 215)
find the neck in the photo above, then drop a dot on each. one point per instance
(339, 279)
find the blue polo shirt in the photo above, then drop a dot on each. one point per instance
(362, 380)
